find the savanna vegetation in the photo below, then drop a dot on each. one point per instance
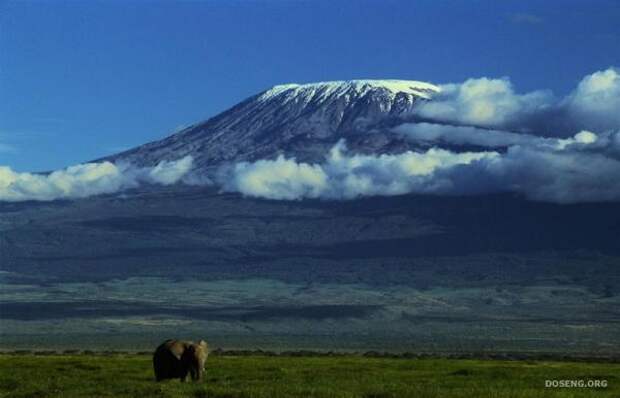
(130, 375)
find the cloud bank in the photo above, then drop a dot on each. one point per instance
(88, 179)
(583, 168)
(493, 103)
(432, 133)
(344, 176)
(484, 102)
(595, 103)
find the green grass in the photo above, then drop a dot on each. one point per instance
(83, 376)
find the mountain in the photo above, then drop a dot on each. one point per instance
(295, 120)
(445, 274)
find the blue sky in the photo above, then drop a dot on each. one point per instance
(83, 79)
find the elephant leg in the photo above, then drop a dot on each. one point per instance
(159, 371)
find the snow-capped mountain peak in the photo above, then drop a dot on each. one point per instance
(356, 87)
(297, 120)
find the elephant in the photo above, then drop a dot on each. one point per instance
(178, 358)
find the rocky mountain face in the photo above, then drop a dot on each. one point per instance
(303, 121)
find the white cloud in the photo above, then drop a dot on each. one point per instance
(352, 176)
(583, 137)
(556, 170)
(595, 103)
(493, 103)
(88, 179)
(483, 102)
(275, 179)
(437, 134)
(169, 172)
(344, 176)
(462, 135)
(562, 175)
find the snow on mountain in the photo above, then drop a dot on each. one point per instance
(297, 120)
(361, 87)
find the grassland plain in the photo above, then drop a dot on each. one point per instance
(130, 375)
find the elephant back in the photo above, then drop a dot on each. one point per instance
(174, 347)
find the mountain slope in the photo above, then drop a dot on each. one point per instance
(446, 273)
(295, 120)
